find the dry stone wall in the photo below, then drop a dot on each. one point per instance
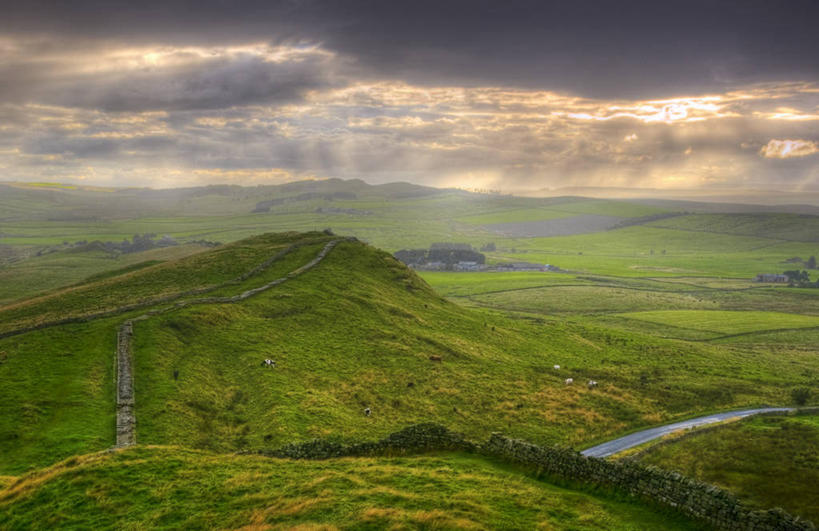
(699, 500)
(126, 422)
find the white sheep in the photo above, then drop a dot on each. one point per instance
(569, 381)
(592, 383)
(557, 367)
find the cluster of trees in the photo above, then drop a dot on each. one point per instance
(800, 279)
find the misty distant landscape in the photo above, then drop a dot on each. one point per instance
(314, 265)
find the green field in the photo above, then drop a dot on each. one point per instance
(767, 461)
(727, 323)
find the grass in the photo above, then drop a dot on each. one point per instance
(356, 331)
(767, 461)
(588, 299)
(727, 322)
(651, 311)
(198, 271)
(792, 227)
(39, 275)
(161, 487)
(57, 396)
(508, 216)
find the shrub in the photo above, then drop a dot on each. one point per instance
(800, 395)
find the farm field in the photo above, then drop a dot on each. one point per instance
(769, 461)
(727, 323)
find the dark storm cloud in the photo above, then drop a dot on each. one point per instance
(179, 79)
(631, 49)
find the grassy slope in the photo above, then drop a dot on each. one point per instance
(350, 334)
(353, 332)
(57, 397)
(768, 461)
(57, 394)
(151, 487)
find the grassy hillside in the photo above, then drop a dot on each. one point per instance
(152, 487)
(767, 461)
(793, 227)
(356, 331)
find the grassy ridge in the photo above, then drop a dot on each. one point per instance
(767, 461)
(170, 487)
(195, 272)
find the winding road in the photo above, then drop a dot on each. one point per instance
(635, 439)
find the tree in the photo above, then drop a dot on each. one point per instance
(796, 277)
(811, 263)
(800, 395)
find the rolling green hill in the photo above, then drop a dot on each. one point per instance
(357, 330)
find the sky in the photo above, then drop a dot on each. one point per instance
(505, 95)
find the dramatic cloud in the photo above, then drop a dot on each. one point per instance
(164, 78)
(513, 96)
(784, 149)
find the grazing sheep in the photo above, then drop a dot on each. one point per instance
(569, 381)
(435, 358)
(592, 383)
(367, 412)
(557, 367)
(268, 363)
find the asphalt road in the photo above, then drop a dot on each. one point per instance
(635, 439)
